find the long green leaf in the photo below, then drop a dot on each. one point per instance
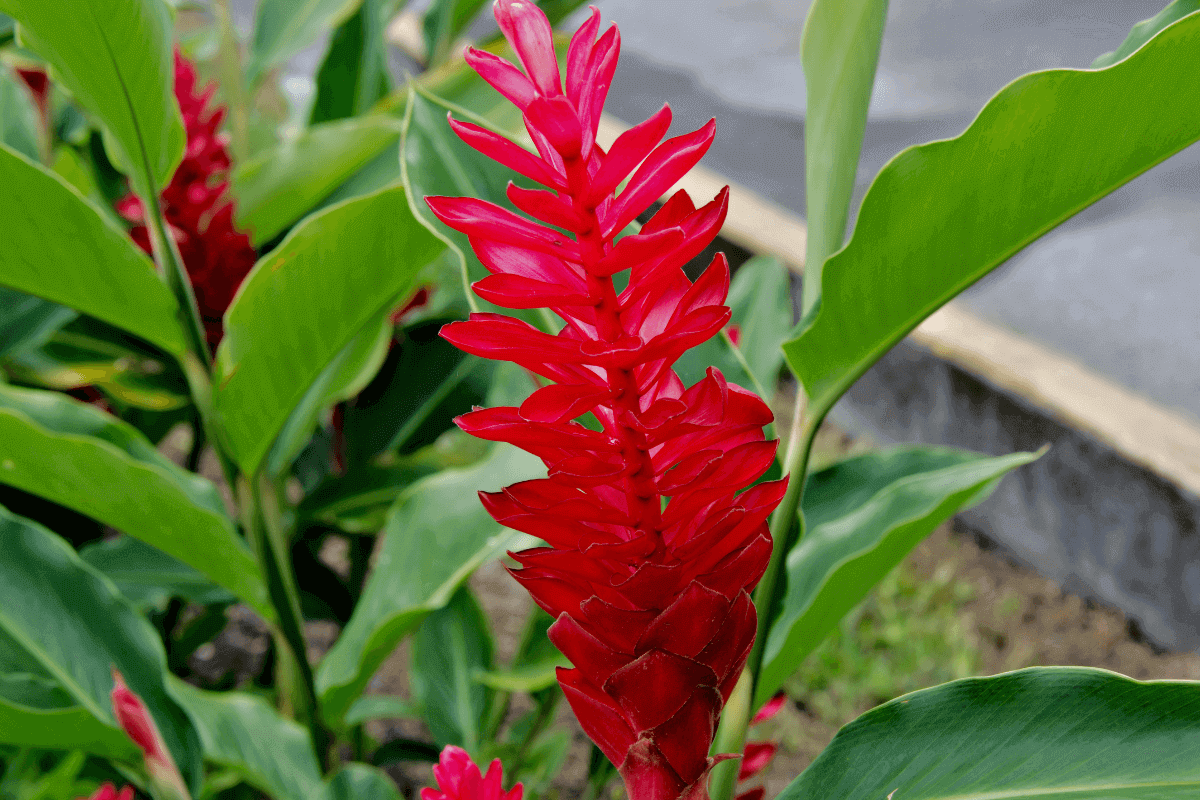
(27, 321)
(863, 516)
(35, 712)
(244, 733)
(451, 649)
(148, 577)
(435, 537)
(115, 57)
(80, 457)
(73, 623)
(285, 27)
(57, 246)
(1037, 734)
(354, 75)
(281, 185)
(303, 303)
(942, 215)
(1146, 30)
(444, 22)
(839, 49)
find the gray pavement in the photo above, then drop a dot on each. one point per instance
(1117, 287)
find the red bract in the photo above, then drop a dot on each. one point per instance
(199, 215)
(653, 544)
(459, 779)
(107, 791)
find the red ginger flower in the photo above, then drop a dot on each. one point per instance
(653, 545)
(459, 779)
(216, 255)
(134, 718)
(107, 791)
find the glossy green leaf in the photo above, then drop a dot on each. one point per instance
(283, 28)
(361, 782)
(444, 23)
(761, 301)
(86, 352)
(426, 383)
(839, 49)
(78, 456)
(436, 536)
(942, 215)
(115, 57)
(528, 678)
(244, 733)
(18, 116)
(57, 246)
(280, 185)
(73, 623)
(1145, 30)
(35, 712)
(379, 706)
(359, 501)
(148, 577)
(1036, 734)
(303, 303)
(27, 321)
(345, 376)
(863, 515)
(451, 649)
(354, 75)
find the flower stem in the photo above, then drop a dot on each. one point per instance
(731, 737)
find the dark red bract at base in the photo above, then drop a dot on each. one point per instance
(654, 541)
(459, 779)
(199, 215)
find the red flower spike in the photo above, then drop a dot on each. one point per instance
(198, 211)
(655, 542)
(106, 791)
(459, 779)
(134, 718)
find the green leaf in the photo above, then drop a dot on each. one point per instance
(436, 536)
(1045, 732)
(942, 215)
(78, 456)
(244, 733)
(1145, 30)
(528, 678)
(35, 712)
(426, 384)
(27, 321)
(345, 376)
(450, 650)
(361, 782)
(73, 623)
(400, 750)
(115, 58)
(863, 515)
(281, 185)
(57, 246)
(18, 116)
(840, 50)
(148, 577)
(354, 75)
(359, 501)
(379, 706)
(444, 23)
(285, 27)
(303, 303)
(86, 352)
(761, 301)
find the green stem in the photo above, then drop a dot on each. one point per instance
(229, 63)
(261, 514)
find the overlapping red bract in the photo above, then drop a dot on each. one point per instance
(459, 779)
(198, 212)
(107, 791)
(653, 546)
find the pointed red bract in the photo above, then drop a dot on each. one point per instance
(107, 791)
(654, 541)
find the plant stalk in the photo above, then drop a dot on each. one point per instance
(229, 63)
(731, 738)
